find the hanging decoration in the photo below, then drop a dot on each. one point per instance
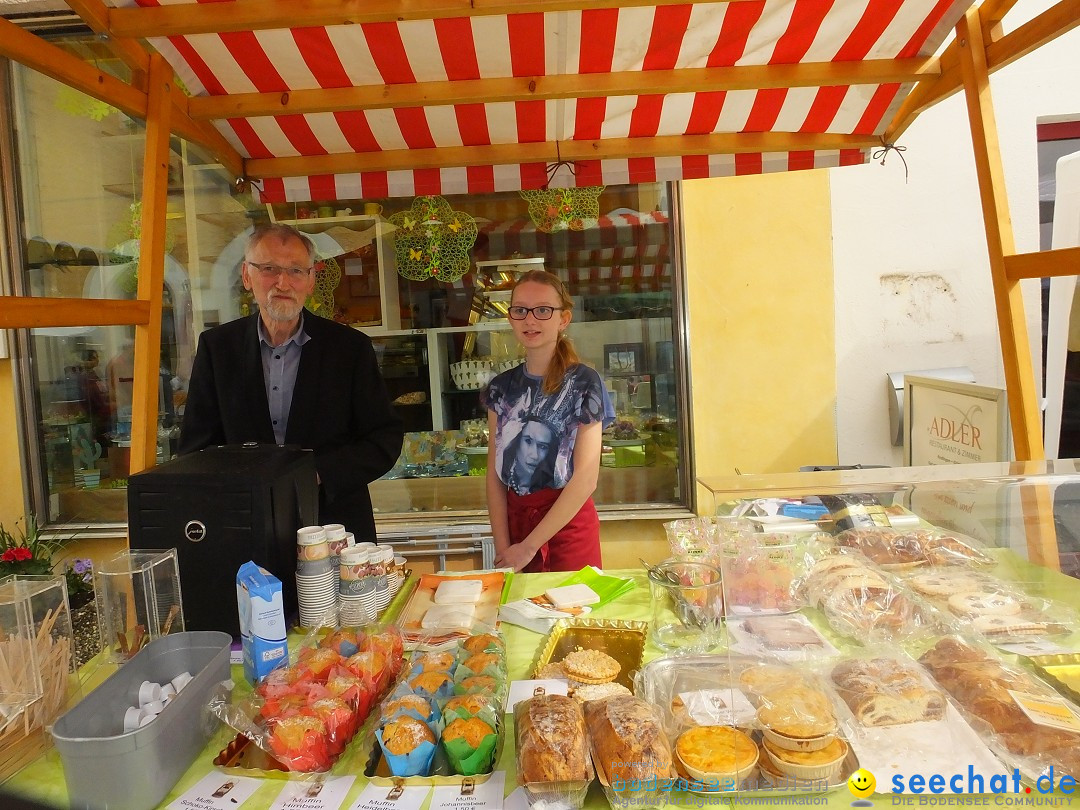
(431, 240)
(561, 209)
(327, 277)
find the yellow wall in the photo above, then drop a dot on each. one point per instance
(762, 342)
(12, 505)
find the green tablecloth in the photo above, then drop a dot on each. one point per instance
(44, 779)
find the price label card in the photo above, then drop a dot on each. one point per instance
(523, 690)
(718, 707)
(217, 791)
(470, 795)
(383, 797)
(314, 794)
(1033, 648)
(1052, 712)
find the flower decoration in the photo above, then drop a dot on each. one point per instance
(560, 209)
(431, 240)
(25, 551)
(79, 574)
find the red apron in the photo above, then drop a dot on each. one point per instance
(574, 546)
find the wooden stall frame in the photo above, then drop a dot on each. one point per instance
(977, 51)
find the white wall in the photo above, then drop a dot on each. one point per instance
(912, 281)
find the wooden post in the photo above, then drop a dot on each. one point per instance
(144, 398)
(1012, 326)
(1036, 500)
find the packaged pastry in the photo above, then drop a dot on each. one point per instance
(408, 745)
(305, 715)
(798, 717)
(469, 705)
(763, 578)
(484, 642)
(470, 742)
(995, 609)
(991, 692)
(887, 692)
(717, 755)
(553, 760)
(864, 602)
(630, 748)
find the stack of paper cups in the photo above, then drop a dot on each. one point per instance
(397, 576)
(382, 560)
(316, 580)
(337, 538)
(356, 590)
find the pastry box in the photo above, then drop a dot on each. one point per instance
(695, 692)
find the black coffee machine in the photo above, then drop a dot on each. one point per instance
(219, 508)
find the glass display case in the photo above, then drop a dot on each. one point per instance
(1031, 508)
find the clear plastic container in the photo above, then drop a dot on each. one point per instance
(138, 600)
(37, 659)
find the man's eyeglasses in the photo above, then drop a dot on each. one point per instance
(274, 270)
(543, 313)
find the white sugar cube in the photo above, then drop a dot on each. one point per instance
(458, 592)
(568, 596)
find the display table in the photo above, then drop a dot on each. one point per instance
(44, 778)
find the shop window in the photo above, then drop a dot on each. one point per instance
(437, 341)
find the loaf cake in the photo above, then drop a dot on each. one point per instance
(628, 739)
(885, 692)
(551, 744)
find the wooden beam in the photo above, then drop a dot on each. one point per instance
(572, 151)
(33, 52)
(130, 51)
(1044, 264)
(31, 312)
(629, 83)
(1050, 24)
(30, 50)
(1059, 19)
(1008, 297)
(155, 183)
(256, 15)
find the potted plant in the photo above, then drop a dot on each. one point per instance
(25, 551)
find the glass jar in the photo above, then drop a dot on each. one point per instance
(687, 606)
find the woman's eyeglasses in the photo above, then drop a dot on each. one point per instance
(543, 313)
(274, 270)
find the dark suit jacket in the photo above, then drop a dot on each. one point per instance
(340, 409)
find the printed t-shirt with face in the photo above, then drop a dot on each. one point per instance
(536, 432)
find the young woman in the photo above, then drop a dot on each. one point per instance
(544, 420)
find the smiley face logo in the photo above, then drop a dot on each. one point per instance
(861, 783)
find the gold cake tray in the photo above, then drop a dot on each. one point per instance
(623, 640)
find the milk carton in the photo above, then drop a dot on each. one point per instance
(262, 621)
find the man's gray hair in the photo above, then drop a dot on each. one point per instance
(282, 233)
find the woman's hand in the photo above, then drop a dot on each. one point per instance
(516, 556)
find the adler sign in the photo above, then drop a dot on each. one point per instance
(948, 422)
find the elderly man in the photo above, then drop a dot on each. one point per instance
(286, 376)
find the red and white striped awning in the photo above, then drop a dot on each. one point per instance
(592, 42)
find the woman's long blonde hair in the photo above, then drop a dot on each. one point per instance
(565, 354)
